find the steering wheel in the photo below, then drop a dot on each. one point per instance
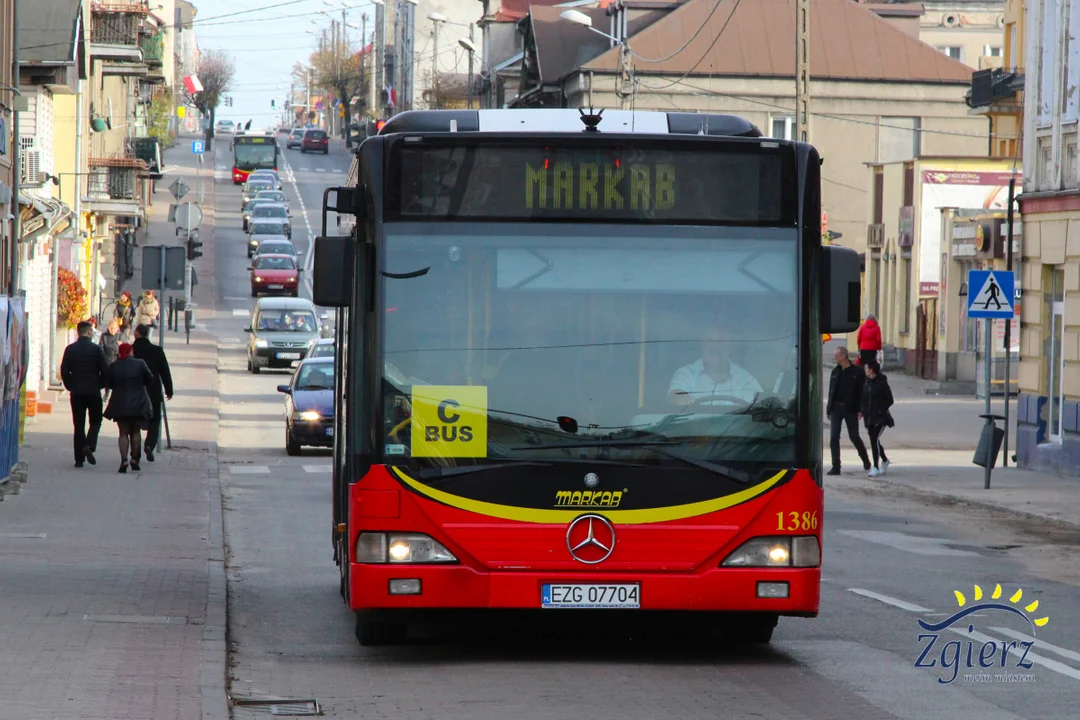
(699, 403)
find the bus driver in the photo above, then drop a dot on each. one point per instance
(712, 374)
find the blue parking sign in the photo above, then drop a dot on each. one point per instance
(198, 147)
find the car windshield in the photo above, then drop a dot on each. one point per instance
(297, 132)
(315, 376)
(317, 135)
(269, 211)
(267, 229)
(288, 321)
(252, 188)
(322, 350)
(275, 263)
(265, 176)
(649, 335)
(271, 195)
(274, 248)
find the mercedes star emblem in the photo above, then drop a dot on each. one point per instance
(592, 480)
(590, 539)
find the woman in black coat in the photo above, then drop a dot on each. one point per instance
(129, 379)
(877, 399)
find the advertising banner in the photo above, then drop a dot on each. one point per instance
(968, 189)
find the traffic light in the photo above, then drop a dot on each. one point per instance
(193, 245)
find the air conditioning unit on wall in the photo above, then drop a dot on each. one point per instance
(30, 164)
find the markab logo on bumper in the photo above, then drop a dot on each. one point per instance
(981, 656)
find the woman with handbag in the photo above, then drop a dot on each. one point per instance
(877, 399)
(129, 379)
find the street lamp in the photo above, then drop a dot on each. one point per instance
(579, 18)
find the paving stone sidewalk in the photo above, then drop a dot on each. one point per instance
(112, 586)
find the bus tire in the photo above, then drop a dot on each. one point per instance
(757, 630)
(370, 632)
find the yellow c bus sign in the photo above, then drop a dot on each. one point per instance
(449, 421)
(180, 111)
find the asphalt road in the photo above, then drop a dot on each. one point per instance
(888, 563)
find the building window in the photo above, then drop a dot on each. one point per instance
(953, 51)
(992, 50)
(900, 139)
(782, 127)
(1055, 358)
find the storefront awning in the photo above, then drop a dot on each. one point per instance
(49, 214)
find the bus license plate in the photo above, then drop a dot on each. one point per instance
(625, 595)
(288, 356)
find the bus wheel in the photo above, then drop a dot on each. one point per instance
(755, 630)
(370, 633)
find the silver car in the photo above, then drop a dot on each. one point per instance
(252, 188)
(262, 230)
(267, 176)
(272, 211)
(281, 331)
(277, 196)
(249, 206)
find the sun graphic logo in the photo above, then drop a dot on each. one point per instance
(980, 653)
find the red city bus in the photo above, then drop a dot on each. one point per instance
(578, 368)
(253, 151)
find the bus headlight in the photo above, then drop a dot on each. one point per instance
(401, 548)
(797, 551)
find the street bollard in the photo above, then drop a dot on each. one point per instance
(989, 446)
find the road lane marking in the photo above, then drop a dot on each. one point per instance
(241, 312)
(226, 341)
(318, 468)
(309, 258)
(910, 607)
(1040, 644)
(249, 470)
(911, 543)
(1046, 662)
(241, 299)
(320, 169)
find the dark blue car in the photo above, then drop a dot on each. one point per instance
(309, 405)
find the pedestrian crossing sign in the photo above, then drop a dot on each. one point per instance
(990, 294)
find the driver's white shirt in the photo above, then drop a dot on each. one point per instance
(693, 379)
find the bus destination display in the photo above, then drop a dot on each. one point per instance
(730, 184)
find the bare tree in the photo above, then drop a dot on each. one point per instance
(216, 70)
(338, 66)
(446, 90)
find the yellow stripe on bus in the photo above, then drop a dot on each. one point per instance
(626, 517)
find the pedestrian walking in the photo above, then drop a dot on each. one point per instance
(148, 310)
(154, 357)
(125, 314)
(844, 407)
(129, 407)
(82, 370)
(877, 400)
(869, 340)
(110, 344)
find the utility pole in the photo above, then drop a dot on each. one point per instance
(626, 82)
(471, 54)
(802, 70)
(379, 69)
(398, 74)
(364, 62)
(435, 64)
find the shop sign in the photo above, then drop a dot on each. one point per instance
(964, 250)
(907, 226)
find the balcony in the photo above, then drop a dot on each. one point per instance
(114, 31)
(153, 50)
(996, 91)
(113, 185)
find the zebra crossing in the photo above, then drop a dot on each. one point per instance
(245, 469)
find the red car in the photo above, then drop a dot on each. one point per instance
(315, 140)
(275, 275)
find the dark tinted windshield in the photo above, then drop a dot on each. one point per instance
(316, 134)
(288, 321)
(275, 263)
(269, 211)
(267, 228)
(252, 188)
(254, 156)
(315, 376)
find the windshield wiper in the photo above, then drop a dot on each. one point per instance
(737, 475)
(454, 470)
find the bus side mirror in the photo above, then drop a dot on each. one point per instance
(332, 277)
(841, 290)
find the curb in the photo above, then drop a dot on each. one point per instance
(214, 668)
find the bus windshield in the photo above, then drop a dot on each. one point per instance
(249, 156)
(555, 343)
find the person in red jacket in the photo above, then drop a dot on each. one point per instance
(869, 340)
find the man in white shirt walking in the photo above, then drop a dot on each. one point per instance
(713, 374)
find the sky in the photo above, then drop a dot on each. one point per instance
(266, 38)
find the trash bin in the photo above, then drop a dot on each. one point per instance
(991, 437)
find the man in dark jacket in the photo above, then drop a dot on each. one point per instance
(83, 371)
(844, 407)
(154, 357)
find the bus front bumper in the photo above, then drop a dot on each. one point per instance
(459, 587)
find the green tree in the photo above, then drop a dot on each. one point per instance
(158, 118)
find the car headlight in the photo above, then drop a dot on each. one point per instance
(791, 551)
(258, 279)
(260, 343)
(307, 415)
(401, 548)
